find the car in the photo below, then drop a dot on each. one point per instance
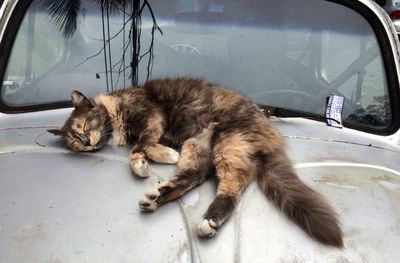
(326, 73)
(392, 7)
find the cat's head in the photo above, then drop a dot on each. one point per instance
(89, 126)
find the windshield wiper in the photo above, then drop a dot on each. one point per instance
(282, 112)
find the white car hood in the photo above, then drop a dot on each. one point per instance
(58, 206)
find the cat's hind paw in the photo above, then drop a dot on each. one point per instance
(148, 203)
(207, 228)
(139, 164)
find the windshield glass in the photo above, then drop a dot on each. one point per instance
(288, 54)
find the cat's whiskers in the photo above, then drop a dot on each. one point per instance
(108, 123)
(105, 132)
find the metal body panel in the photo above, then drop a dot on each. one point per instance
(71, 214)
(58, 206)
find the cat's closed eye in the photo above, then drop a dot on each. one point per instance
(86, 127)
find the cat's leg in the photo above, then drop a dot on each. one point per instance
(234, 171)
(149, 140)
(158, 153)
(161, 154)
(147, 147)
(139, 163)
(194, 165)
(172, 189)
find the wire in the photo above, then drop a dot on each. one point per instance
(104, 44)
(109, 45)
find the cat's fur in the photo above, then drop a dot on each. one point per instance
(220, 133)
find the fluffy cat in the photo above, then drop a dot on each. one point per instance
(220, 133)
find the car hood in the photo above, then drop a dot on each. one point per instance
(59, 206)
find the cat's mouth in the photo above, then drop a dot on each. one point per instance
(90, 148)
(78, 146)
(84, 143)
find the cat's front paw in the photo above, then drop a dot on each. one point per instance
(172, 156)
(161, 154)
(207, 228)
(139, 164)
(148, 203)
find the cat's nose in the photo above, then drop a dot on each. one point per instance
(85, 139)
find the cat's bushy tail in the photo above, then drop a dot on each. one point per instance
(307, 208)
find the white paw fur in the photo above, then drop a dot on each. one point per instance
(207, 228)
(173, 157)
(140, 167)
(148, 202)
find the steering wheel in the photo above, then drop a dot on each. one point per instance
(186, 49)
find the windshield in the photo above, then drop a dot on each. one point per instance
(287, 54)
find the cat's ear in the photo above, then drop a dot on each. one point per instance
(57, 132)
(79, 100)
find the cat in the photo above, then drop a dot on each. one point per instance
(219, 133)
